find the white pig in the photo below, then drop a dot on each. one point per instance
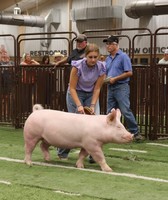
(70, 130)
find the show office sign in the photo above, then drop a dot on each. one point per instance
(145, 50)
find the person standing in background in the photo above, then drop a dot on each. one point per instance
(28, 80)
(45, 60)
(78, 53)
(164, 60)
(58, 57)
(119, 71)
(6, 78)
(27, 60)
(45, 95)
(5, 59)
(28, 76)
(86, 79)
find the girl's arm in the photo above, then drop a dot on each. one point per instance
(96, 91)
(72, 83)
(34, 62)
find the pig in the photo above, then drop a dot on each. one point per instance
(71, 130)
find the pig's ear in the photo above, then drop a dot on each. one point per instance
(111, 116)
(118, 113)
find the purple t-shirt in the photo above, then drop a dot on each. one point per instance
(88, 75)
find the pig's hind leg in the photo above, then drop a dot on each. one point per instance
(44, 148)
(30, 144)
(82, 155)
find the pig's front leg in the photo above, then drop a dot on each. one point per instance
(104, 166)
(82, 155)
(98, 156)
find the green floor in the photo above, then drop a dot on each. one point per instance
(148, 162)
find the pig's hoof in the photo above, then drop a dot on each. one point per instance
(47, 159)
(107, 169)
(29, 163)
(79, 165)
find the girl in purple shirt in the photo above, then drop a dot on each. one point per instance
(86, 79)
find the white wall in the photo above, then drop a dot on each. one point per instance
(8, 41)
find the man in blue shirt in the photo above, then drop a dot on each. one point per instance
(119, 71)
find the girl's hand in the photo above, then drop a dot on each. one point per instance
(92, 107)
(80, 109)
(112, 80)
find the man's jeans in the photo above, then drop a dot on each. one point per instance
(118, 97)
(85, 99)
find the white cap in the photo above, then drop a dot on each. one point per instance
(58, 54)
(166, 51)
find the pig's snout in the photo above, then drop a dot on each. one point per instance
(128, 137)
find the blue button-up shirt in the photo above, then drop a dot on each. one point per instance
(118, 65)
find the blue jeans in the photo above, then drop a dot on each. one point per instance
(85, 99)
(118, 97)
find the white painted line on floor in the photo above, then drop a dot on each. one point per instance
(158, 144)
(128, 150)
(11, 160)
(67, 193)
(5, 182)
(89, 170)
